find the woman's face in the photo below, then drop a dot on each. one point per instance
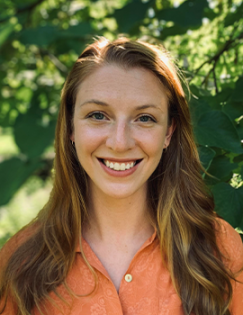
(120, 129)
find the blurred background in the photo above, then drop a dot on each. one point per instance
(40, 40)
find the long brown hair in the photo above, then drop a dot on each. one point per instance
(181, 207)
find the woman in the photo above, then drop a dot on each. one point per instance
(129, 227)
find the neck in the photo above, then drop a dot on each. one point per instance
(118, 220)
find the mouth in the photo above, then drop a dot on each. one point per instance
(119, 166)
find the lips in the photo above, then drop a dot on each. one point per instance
(119, 165)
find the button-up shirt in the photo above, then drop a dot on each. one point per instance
(146, 288)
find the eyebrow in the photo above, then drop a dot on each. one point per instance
(97, 102)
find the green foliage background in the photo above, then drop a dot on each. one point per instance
(40, 40)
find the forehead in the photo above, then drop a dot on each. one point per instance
(112, 83)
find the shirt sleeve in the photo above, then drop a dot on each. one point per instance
(5, 253)
(231, 246)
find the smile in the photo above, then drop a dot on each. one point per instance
(122, 166)
(119, 166)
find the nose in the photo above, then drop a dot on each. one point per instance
(120, 137)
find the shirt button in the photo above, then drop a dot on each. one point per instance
(128, 277)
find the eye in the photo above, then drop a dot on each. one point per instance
(97, 116)
(146, 118)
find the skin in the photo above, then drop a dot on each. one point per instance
(108, 124)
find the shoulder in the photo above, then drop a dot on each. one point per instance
(230, 245)
(16, 241)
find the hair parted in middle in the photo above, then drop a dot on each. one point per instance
(181, 209)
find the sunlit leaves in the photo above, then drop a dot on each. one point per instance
(40, 43)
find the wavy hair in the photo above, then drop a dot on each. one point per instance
(181, 207)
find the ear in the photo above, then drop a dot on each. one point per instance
(72, 137)
(169, 133)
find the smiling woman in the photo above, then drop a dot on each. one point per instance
(122, 122)
(129, 227)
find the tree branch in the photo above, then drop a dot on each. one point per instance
(215, 79)
(215, 58)
(205, 80)
(57, 63)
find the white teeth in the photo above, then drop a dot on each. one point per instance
(130, 165)
(123, 167)
(119, 166)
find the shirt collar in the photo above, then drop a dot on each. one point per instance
(149, 241)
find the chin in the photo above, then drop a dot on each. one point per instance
(122, 192)
(118, 194)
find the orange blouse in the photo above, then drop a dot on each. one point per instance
(146, 288)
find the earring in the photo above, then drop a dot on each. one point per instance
(72, 142)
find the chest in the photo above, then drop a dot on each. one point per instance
(148, 289)
(116, 263)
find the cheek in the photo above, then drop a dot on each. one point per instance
(152, 142)
(87, 140)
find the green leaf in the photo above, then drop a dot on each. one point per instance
(221, 168)
(241, 174)
(237, 95)
(238, 158)
(77, 31)
(198, 91)
(223, 95)
(233, 109)
(209, 13)
(217, 101)
(5, 30)
(197, 108)
(173, 30)
(233, 17)
(40, 36)
(130, 15)
(31, 136)
(229, 203)
(215, 129)
(43, 36)
(73, 38)
(239, 128)
(189, 13)
(206, 156)
(14, 173)
(64, 46)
